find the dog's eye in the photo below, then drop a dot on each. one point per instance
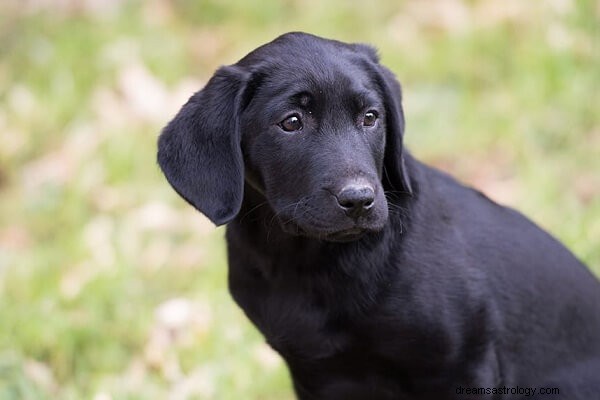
(291, 124)
(369, 118)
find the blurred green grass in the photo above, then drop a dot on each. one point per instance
(112, 288)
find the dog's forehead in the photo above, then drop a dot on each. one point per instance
(325, 75)
(301, 55)
(298, 62)
(320, 83)
(317, 73)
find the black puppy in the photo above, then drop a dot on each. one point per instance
(373, 275)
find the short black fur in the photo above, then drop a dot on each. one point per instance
(372, 274)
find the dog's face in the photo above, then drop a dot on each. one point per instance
(313, 139)
(314, 125)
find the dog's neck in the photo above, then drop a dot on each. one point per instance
(258, 227)
(362, 266)
(307, 264)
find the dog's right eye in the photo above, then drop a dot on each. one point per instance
(291, 123)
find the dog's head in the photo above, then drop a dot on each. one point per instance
(314, 125)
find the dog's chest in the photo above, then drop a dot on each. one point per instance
(300, 313)
(315, 314)
(301, 324)
(339, 330)
(304, 326)
(324, 350)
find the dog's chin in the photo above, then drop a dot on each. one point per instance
(348, 235)
(344, 235)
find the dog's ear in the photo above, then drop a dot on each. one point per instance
(395, 172)
(199, 151)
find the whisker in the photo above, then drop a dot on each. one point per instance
(294, 217)
(253, 209)
(394, 208)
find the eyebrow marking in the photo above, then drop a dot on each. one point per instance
(301, 99)
(304, 99)
(364, 99)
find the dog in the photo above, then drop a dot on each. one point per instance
(578, 381)
(373, 275)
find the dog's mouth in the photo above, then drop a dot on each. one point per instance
(338, 236)
(348, 235)
(332, 224)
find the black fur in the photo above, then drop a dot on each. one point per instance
(580, 381)
(430, 287)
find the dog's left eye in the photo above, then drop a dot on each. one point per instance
(291, 124)
(369, 118)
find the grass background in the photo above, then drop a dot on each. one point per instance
(111, 287)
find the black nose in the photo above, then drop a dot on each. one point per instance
(356, 200)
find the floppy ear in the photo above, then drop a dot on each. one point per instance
(395, 170)
(199, 151)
